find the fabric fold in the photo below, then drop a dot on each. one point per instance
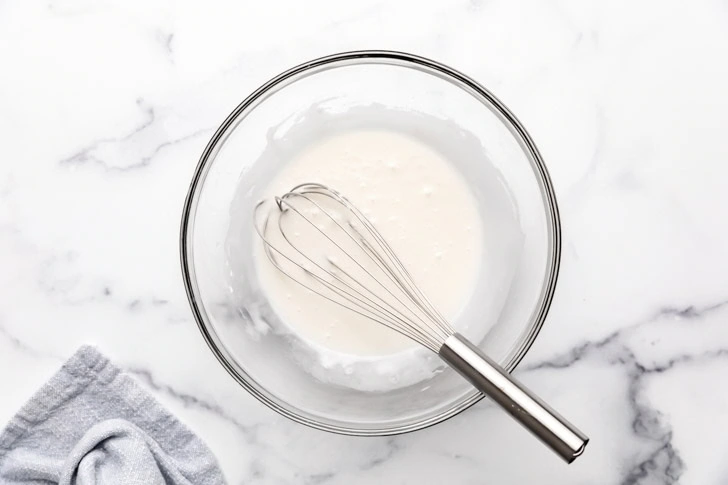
(92, 424)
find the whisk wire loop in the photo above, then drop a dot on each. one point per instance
(390, 302)
(400, 290)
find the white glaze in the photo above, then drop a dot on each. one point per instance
(418, 202)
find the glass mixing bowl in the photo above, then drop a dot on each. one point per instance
(382, 90)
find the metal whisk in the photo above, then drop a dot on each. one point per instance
(316, 237)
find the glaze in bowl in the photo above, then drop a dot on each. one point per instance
(383, 90)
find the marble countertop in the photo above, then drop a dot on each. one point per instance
(105, 107)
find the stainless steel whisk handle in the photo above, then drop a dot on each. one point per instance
(535, 415)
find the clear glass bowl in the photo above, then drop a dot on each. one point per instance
(389, 90)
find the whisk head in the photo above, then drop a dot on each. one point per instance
(320, 240)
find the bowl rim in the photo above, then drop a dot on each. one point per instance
(401, 59)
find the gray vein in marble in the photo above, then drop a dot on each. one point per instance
(24, 348)
(580, 187)
(319, 478)
(577, 353)
(690, 311)
(599, 143)
(256, 471)
(90, 153)
(391, 447)
(86, 155)
(191, 401)
(60, 288)
(663, 463)
(67, 287)
(663, 460)
(584, 33)
(155, 302)
(166, 39)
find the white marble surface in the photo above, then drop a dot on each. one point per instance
(106, 106)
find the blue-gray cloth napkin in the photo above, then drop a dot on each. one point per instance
(92, 424)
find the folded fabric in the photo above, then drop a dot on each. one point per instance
(92, 424)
